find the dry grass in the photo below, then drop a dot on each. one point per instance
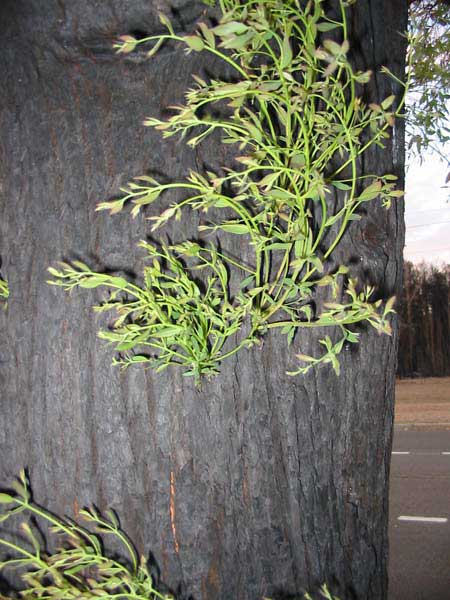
(423, 401)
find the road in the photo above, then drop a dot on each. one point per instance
(420, 488)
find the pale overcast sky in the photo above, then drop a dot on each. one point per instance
(427, 212)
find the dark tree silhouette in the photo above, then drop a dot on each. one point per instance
(424, 348)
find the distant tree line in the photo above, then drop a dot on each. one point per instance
(424, 311)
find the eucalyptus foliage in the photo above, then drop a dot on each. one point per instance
(72, 562)
(78, 567)
(428, 123)
(4, 290)
(294, 113)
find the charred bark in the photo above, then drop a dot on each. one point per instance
(257, 484)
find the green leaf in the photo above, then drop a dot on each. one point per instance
(91, 282)
(361, 77)
(138, 358)
(269, 86)
(389, 306)
(280, 194)
(166, 332)
(327, 26)
(333, 47)
(194, 42)
(335, 363)
(352, 337)
(125, 345)
(340, 185)
(305, 358)
(118, 282)
(239, 41)
(371, 192)
(125, 44)
(278, 246)
(235, 27)
(21, 488)
(316, 262)
(286, 53)
(298, 160)
(238, 228)
(247, 281)
(207, 34)
(268, 181)
(54, 272)
(165, 21)
(155, 48)
(6, 498)
(387, 102)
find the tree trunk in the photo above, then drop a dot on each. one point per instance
(256, 484)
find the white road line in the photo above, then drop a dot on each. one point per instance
(419, 453)
(423, 519)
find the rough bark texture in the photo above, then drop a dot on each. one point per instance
(258, 484)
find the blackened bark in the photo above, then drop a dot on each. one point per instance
(258, 484)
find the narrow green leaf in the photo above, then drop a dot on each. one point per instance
(166, 22)
(371, 192)
(166, 332)
(298, 160)
(247, 281)
(155, 48)
(387, 102)
(268, 180)
(6, 498)
(208, 34)
(333, 47)
(316, 262)
(280, 194)
(286, 53)
(340, 185)
(361, 77)
(225, 29)
(91, 282)
(305, 358)
(389, 306)
(269, 86)
(239, 41)
(327, 26)
(194, 42)
(279, 246)
(125, 44)
(138, 358)
(238, 228)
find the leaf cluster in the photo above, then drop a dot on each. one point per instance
(294, 114)
(4, 290)
(79, 567)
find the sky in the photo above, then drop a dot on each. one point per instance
(427, 212)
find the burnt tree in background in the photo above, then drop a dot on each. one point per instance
(424, 311)
(257, 484)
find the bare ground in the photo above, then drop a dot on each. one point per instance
(423, 402)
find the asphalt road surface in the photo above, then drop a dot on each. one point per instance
(420, 516)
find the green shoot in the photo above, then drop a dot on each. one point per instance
(79, 567)
(296, 118)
